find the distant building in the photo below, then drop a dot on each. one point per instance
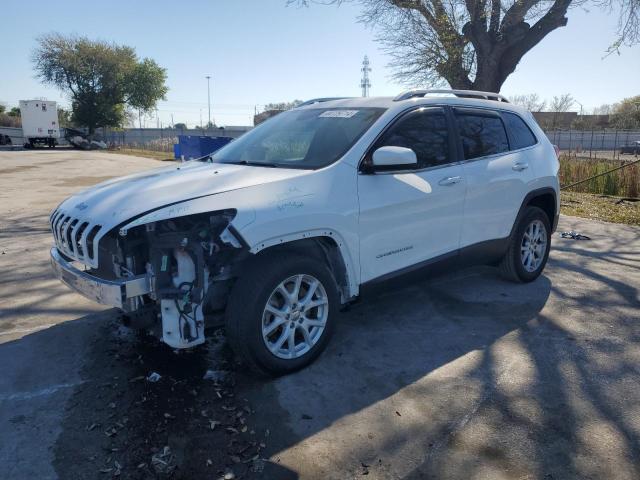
(555, 119)
(568, 120)
(588, 122)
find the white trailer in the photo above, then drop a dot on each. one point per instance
(39, 123)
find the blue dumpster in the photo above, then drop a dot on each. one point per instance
(193, 146)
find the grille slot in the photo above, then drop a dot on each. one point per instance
(78, 238)
(91, 248)
(68, 235)
(62, 231)
(55, 225)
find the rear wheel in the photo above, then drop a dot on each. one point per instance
(529, 247)
(281, 313)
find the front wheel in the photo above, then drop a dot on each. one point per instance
(529, 247)
(281, 313)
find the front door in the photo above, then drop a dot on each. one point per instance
(410, 216)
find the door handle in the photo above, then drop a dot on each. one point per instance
(449, 181)
(518, 167)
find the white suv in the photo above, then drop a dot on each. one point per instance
(278, 229)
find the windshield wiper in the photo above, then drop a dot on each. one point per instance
(253, 164)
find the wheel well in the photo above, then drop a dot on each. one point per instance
(325, 250)
(546, 202)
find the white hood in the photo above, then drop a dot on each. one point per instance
(112, 202)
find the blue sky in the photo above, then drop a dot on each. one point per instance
(259, 51)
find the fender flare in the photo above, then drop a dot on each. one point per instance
(530, 196)
(349, 264)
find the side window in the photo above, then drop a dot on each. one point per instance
(520, 134)
(423, 131)
(481, 135)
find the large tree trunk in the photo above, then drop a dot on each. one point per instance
(488, 78)
(499, 49)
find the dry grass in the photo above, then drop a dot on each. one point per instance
(600, 207)
(621, 183)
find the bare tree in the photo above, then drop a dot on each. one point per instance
(562, 103)
(473, 44)
(604, 109)
(530, 101)
(282, 105)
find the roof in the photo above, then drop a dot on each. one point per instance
(391, 104)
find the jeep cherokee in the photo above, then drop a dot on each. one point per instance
(276, 231)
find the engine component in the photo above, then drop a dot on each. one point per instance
(183, 317)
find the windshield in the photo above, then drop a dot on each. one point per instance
(306, 138)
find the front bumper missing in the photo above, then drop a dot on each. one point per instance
(106, 292)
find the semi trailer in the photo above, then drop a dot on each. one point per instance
(39, 123)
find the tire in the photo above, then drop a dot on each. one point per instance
(516, 266)
(247, 316)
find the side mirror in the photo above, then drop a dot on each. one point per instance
(394, 157)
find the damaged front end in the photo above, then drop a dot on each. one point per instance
(182, 267)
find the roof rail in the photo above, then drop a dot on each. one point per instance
(417, 92)
(321, 100)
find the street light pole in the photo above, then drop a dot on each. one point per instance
(208, 77)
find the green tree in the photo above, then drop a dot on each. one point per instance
(474, 44)
(102, 79)
(626, 114)
(180, 126)
(64, 117)
(10, 118)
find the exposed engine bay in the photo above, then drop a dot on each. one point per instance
(191, 261)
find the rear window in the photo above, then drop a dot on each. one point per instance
(520, 134)
(481, 135)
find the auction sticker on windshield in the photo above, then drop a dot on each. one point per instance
(338, 114)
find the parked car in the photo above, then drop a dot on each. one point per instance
(632, 148)
(298, 217)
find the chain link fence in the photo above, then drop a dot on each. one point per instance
(161, 139)
(603, 144)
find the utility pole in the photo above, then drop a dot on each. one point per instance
(201, 118)
(208, 77)
(365, 84)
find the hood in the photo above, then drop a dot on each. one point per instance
(115, 201)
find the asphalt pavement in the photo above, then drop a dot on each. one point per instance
(460, 376)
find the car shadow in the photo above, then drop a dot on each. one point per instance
(386, 345)
(114, 420)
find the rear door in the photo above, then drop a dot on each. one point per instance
(497, 173)
(412, 215)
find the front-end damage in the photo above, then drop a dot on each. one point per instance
(185, 267)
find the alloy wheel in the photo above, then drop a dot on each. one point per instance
(295, 316)
(533, 246)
